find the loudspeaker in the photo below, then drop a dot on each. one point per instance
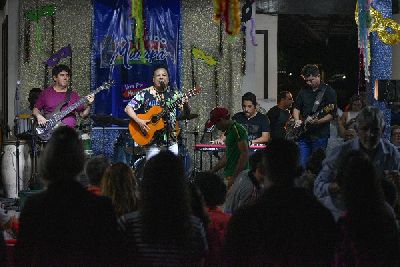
(388, 90)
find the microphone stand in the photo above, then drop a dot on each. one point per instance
(17, 143)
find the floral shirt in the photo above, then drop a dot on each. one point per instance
(150, 97)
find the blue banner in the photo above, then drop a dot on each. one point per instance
(115, 54)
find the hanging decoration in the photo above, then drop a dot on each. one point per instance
(60, 54)
(363, 20)
(200, 54)
(35, 16)
(137, 15)
(229, 10)
(42, 12)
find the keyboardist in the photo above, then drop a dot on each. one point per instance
(256, 124)
(236, 154)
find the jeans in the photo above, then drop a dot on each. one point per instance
(308, 145)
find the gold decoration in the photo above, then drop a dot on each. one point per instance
(380, 25)
(200, 54)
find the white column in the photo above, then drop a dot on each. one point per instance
(256, 60)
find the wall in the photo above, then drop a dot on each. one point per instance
(11, 10)
(256, 61)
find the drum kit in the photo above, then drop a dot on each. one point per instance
(18, 159)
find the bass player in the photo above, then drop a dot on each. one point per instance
(51, 97)
(162, 95)
(314, 97)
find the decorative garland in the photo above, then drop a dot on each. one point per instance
(229, 10)
(363, 21)
(137, 14)
(34, 16)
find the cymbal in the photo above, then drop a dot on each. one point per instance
(106, 120)
(184, 117)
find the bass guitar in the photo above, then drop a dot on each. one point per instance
(45, 131)
(294, 133)
(156, 123)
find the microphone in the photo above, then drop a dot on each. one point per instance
(162, 85)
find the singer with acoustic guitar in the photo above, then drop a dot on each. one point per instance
(156, 129)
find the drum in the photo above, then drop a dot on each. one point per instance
(87, 144)
(138, 168)
(8, 167)
(126, 150)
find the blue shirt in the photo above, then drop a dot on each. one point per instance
(387, 157)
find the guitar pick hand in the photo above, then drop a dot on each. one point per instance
(297, 123)
(143, 125)
(41, 120)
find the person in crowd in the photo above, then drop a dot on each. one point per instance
(159, 94)
(66, 225)
(286, 226)
(279, 115)
(163, 231)
(395, 136)
(119, 184)
(310, 100)
(94, 170)
(366, 210)
(248, 186)
(370, 125)
(52, 97)
(236, 154)
(313, 167)
(348, 118)
(198, 205)
(395, 114)
(256, 123)
(213, 190)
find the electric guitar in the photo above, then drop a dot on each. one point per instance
(45, 131)
(294, 133)
(155, 114)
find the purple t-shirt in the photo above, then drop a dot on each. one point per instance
(50, 98)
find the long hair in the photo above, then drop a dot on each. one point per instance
(166, 205)
(119, 184)
(63, 157)
(371, 226)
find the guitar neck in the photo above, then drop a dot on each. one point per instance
(175, 104)
(81, 101)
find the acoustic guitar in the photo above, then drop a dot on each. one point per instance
(45, 131)
(294, 133)
(156, 122)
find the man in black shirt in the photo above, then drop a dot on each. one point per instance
(279, 115)
(304, 107)
(256, 124)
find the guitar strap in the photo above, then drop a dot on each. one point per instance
(68, 96)
(318, 99)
